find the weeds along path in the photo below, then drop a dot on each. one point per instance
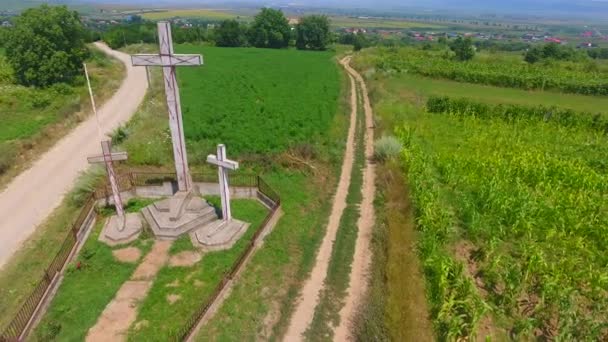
(362, 257)
(36, 192)
(309, 297)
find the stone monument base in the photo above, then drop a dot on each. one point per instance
(112, 234)
(219, 235)
(178, 215)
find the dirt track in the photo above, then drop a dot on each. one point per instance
(35, 193)
(362, 257)
(309, 297)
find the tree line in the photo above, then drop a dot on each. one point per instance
(269, 29)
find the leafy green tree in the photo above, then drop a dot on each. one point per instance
(533, 55)
(361, 42)
(312, 33)
(230, 34)
(463, 48)
(47, 46)
(270, 29)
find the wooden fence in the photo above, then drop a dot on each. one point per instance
(19, 327)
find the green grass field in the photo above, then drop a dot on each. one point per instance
(417, 86)
(258, 100)
(511, 214)
(191, 13)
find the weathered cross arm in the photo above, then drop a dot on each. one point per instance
(166, 60)
(116, 156)
(226, 164)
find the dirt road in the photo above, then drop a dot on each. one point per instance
(36, 192)
(309, 297)
(362, 257)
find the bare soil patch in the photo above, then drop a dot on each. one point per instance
(127, 255)
(172, 298)
(185, 259)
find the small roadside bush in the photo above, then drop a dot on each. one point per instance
(386, 148)
(120, 134)
(8, 154)
(85, 185)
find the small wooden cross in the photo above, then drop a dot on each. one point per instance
(224, 164)
(107, 157)
(169, 61)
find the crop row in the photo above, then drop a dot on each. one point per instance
(512, 112)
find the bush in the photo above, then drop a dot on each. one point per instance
(120, 134)
(6, 72)
(8, 154)
(85, 185)
(387, 147)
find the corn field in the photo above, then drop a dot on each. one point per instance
(513, 217)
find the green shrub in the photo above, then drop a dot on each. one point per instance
(386, 148)
(6, 72)
(8, 153)
(85, 185)
(120, 134)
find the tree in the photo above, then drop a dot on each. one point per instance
(270, 29)
(360, 42)
(312, 33)
(230, 34)
(463, 48)
(47, 46)
(533, 55)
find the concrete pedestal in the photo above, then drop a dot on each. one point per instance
(178, 215)
(219, 235)
(112, 233)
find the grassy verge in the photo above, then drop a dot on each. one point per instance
(395, 308)
(192, 285)
(25, 269)
(85, 291)
(34, 119)
(327, 312)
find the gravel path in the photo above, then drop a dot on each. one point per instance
(27, 201)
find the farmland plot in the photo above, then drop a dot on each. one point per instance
(513, 221)
(258, 100)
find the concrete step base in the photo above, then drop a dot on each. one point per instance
(115, 232)
(196, 214)
(219, 235)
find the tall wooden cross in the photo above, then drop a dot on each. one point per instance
(169, 61)
(107, 157)
(224, 164)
